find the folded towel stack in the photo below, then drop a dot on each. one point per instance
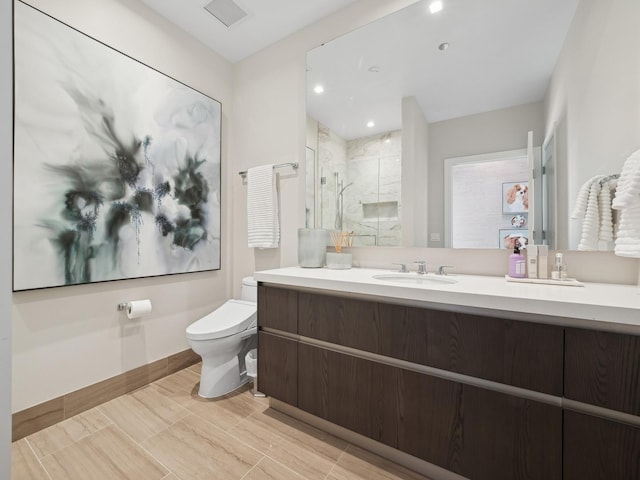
(262, 208)
(627, 200)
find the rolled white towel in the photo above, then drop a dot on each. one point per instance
(628, 190)
(628, 237)
(591, 223)
(580, 207)
(605, 234)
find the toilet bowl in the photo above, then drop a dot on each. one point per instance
(223, 338)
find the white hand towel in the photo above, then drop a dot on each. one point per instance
(263, 229)
(628, 239)
(580, 207)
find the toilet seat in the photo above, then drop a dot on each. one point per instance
(234, 316)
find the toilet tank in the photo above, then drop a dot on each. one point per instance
(249, 290)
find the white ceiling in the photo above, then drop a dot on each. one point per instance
(502, 54)
(267, 22)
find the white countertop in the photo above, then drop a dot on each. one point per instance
(595, 305)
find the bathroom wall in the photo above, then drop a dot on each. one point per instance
(269, 126)
(67, 338)
(6, 135)
(415, 173)
(599, 121)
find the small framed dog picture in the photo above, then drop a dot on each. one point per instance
(510, 238)
(515, 197)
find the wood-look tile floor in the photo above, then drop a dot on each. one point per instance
(164, 431)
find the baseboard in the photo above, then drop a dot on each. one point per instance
(38, 417)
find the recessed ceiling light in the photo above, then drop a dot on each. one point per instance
(443, 46)
(435, 6)
(318, 89)
(371, 124)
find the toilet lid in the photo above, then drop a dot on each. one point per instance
(234, 316)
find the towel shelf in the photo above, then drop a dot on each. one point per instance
(293, 165)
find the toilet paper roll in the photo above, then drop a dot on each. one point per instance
(138, 308)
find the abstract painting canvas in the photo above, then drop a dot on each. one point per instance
(116, 165)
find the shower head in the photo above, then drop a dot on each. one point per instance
(345, 187)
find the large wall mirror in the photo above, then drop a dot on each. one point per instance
(420, 121)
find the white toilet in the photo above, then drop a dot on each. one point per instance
(223, 338)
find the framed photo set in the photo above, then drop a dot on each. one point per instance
(515, 197)
(510, 237)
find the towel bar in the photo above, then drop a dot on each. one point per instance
(293, 165)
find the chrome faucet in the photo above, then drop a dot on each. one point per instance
(422, 267)
(403, 267)
(441, 269)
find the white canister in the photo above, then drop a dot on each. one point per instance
(312, 247)
(339, 261)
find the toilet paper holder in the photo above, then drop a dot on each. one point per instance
(136, 308)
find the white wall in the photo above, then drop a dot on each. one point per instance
(70, 337)
(269, 126)
(415, 173)
(496, 131)
(6, 135)
(595, 95)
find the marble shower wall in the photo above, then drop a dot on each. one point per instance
(371, 204)
(332, 161)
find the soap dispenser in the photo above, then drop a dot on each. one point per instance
(517, 264)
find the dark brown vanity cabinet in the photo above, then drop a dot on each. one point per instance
(345, 360)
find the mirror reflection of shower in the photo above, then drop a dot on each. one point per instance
(358, 185)
(339, 189)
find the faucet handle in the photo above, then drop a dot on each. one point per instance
(441, 269)
(403, 267)
(422, 266)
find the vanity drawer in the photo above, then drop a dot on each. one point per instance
(521, 354)
(344, 321)
(599, 449)
(480, 434)
(278, 308)
(603, 369)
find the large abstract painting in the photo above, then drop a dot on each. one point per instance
(116, 165)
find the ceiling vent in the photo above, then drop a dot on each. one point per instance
(226, 11)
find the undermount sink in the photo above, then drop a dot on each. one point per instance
(415, 279)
